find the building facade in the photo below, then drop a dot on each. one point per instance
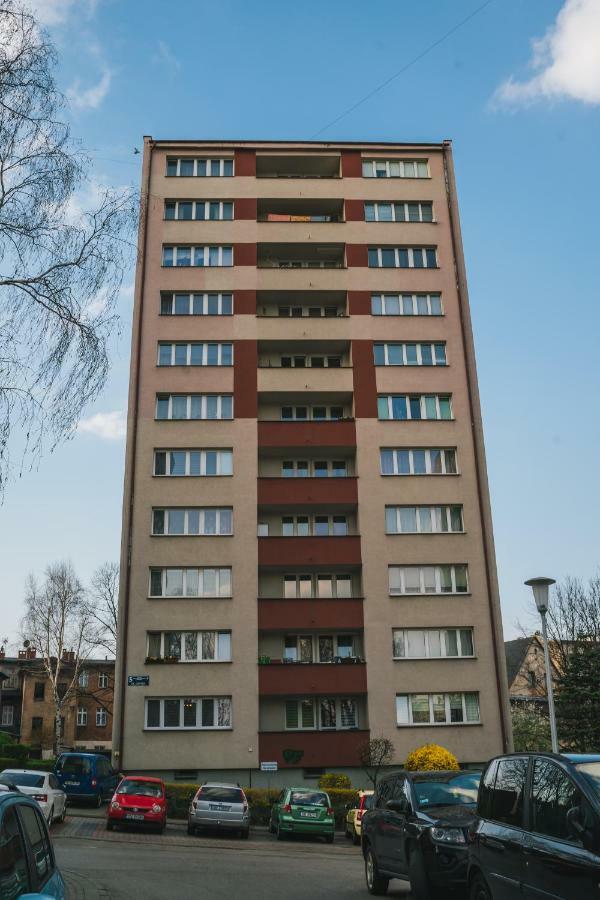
(307, 549)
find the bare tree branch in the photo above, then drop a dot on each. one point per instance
(103, 606)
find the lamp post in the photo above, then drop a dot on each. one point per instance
(540, 587)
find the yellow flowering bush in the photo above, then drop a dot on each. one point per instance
(431, 757)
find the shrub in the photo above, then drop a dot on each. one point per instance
(6, 738)
(334, 780)
(17, 752)
(431, 757)
(41, 765)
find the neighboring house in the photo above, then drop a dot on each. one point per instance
(11, 690)
(526, 671)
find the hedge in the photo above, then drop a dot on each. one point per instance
(179, 797)
(17, 752)
(41, 765)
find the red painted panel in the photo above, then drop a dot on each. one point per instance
(355, 210)
(309, 551)
(244, 254)
(245, 364)
(245, 162)
(278, 615)
(304, 491)
(356, 255)
(317, 748)
(244, 303)
(359, 303)
(365, 384)
(307, 434)
(317, 678)
(245, 208)
(351, 164)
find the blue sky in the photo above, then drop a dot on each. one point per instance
(525, 142)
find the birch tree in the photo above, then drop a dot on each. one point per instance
(103, 606)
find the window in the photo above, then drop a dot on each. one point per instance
(37, 723)
(194, 406)
(420, 406)
(394, 258)
(214, 210)
(8, 714)
(195, 354)
(102, 679)
(14, 867)
(315, 312)
(406, 304)
(399, 211)
(315, 413)
(200, 168)
(209, 255)
(324, 586)
(324, 648)
(429, 643)
(196, 304)
(193, 462)
(554, 795)
(101, 717)
(198, 520)
(320, 468)
(418, 354)
(450, 579)
(203, 582)
(395, 168)
(437, 709)
(325, 713)
(319, 526)
(308, 362)
(40, 844)
(509, 790)
(84, 679)
(418, 461)
(423, 519)
(190, 646)
(82, 716)
(38, 690)
(195, 713)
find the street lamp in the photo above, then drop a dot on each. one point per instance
(540, 587)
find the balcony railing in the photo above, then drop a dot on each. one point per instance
(305, 491)
(300, 679)
(317, 434)
(333, 550)
(300, 264)
(291, 749)
(277, 614)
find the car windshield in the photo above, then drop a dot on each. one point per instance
(368, 801)
(74, 765)
(140, 788)
(24, 779)
(591, 773)
(458, 791)
(221, 794)
(308, 798)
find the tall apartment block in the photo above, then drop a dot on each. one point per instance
(307, 554)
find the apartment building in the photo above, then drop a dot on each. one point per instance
(307, 549)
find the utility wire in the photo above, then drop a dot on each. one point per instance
(403, 69)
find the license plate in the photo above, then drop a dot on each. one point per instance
(309, 815)
(219, 807)
(135, 816)
(71, 784)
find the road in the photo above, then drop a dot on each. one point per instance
(123, 866)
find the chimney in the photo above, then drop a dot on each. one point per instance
(30, 653)
(2, 652)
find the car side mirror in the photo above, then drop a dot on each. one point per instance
(400, 806)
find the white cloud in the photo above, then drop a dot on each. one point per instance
(165, 55)
(56, 12)
(566, 60)
(110, 426)
(89, 98)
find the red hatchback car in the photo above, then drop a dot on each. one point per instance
(138, 800)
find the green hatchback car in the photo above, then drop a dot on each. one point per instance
(302, 811)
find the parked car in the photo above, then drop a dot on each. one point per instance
(27, 865)
(42, 787)
(417, 830)
(86, 776)
(355, 813)
(220, 806)
(537, 832)
(138, 800)
(302, 811)
(7, 784)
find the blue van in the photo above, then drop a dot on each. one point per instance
(86, 776)
(27, 865)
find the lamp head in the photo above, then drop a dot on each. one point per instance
(540, 587)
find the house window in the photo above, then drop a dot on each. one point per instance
(101, 717)
(194, 406)
(207, 521)
(38, 690)
(417, 354)
(316, 413)
(83, 679)
(195, 354)
(190, 646)
(197, 582)
(193, 462)
(323, 586)
(323, 468)
(195, 713)
(397, 258)
(319, 526)
(420, 406)
(418, 461)
(82, 716)
(437, 709)
(423, 519)
(102, 679)
(8, 713)
(186, 255)
(428, 579)
(399, 211)
(311, 362)
(203, 210)
(395, 168)
(432, 643)
(325, 713)
(322, 648)
(196, 304)
(406, 304)
(199, 168)
(37, 723)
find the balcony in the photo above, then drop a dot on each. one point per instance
(282, 379)
(309, 551)
(294, 166)
(300, 256)
(291, 749)
(300, 679)
(299, 434)
(276, 614)
(302, 305)
(304, 211)
(305, 491)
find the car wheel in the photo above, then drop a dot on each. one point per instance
(245, 834)
(191, 829)
(63, 814)
(329, 838)
(50, 819)
(420, 883)
(355, 838)
(98, 801)
(271, 827)
(376, 883)
(478, 889)
(110, 825)
(279, 833)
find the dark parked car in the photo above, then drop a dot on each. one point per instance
(537, 834)
(27, 865)
(86, 776)
(417, 831)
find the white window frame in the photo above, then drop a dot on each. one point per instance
(314, 638)
(101, 717)
(223, 453)
(435, 515)
(444, 643)
(402, 591)
(316, 704)
(204, 358)
(310, 468)
(419, 351)
(423, 406)
(312, 523)
(310, 413)
(314, 584)
(83, 679)
(103, 679)
(205, 159)
(8, 715)
(431, 723)
(201, 510)
(385, 299)
(411, 257)
(205, 299)
(197, 203)
(388, 171)
(198, 700)
(82, 716)
(222, 591)
(405, 204)
(203, 407)
(199, 633)
(428, 464)
(200, 256)
(308, 358)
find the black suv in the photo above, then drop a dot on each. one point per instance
(417, 830)
(537, 834)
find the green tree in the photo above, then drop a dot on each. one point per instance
(531, 729)
(578, 699)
